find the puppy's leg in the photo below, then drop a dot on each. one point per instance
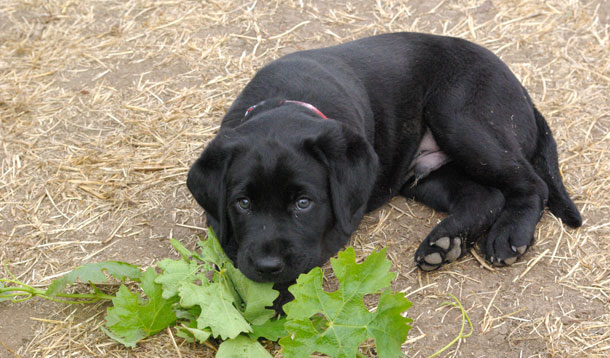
(491, 145)
(472, 209)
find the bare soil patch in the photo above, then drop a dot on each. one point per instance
(104, 104)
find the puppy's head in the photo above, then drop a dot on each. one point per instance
(284, 191)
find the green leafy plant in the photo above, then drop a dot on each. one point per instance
(132, 318)
(202, 293)
(336, 323)
(205, 297)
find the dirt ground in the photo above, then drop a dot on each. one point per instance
(104, 104)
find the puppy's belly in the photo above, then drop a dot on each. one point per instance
(429, 157)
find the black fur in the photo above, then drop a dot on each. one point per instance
(381, 94)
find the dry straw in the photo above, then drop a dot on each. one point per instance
(103, 105)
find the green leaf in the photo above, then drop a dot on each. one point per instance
(256, 296)
(187, 314)
(95, 273)
(309, 298)
(337, 323)
(211, 251)
(217, 309)
(222, 277)
(240, 347)
(388, 330)
(250, 297)
(133, 318)
(368, 277)
(271, 330)
(192, 334)
(183, 251)
(175, 273)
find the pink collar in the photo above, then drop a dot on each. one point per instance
(309, 106)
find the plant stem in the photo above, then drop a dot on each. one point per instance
(465, 318)
(25, 290)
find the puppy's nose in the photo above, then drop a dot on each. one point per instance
(269, 265)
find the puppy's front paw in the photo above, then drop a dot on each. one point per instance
(432, 254)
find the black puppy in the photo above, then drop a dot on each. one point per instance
(437, 119)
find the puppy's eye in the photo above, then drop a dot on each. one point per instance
(243, 204)
(303, 203)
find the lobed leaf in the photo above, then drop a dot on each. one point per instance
(251, 298)
(256, 296)
(183, 251)
(211, 251)
(388, 327)
(217, 310)
(175, 273)
(132, 318)
(240, 347)
(271, 330)
(336, 323)
(95, 273)
(191, 333)
(370, 276)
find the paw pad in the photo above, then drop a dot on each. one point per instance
(511, 260)
(434, 258)
(456, 250)
(443, 243)
(427, 267)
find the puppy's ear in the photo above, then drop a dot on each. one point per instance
(352, 165)
(206, 181)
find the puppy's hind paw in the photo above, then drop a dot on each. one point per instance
(517, 251)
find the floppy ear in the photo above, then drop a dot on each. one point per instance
(352, 165)
(206, 181)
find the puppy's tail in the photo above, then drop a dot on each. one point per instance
(546, 165)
